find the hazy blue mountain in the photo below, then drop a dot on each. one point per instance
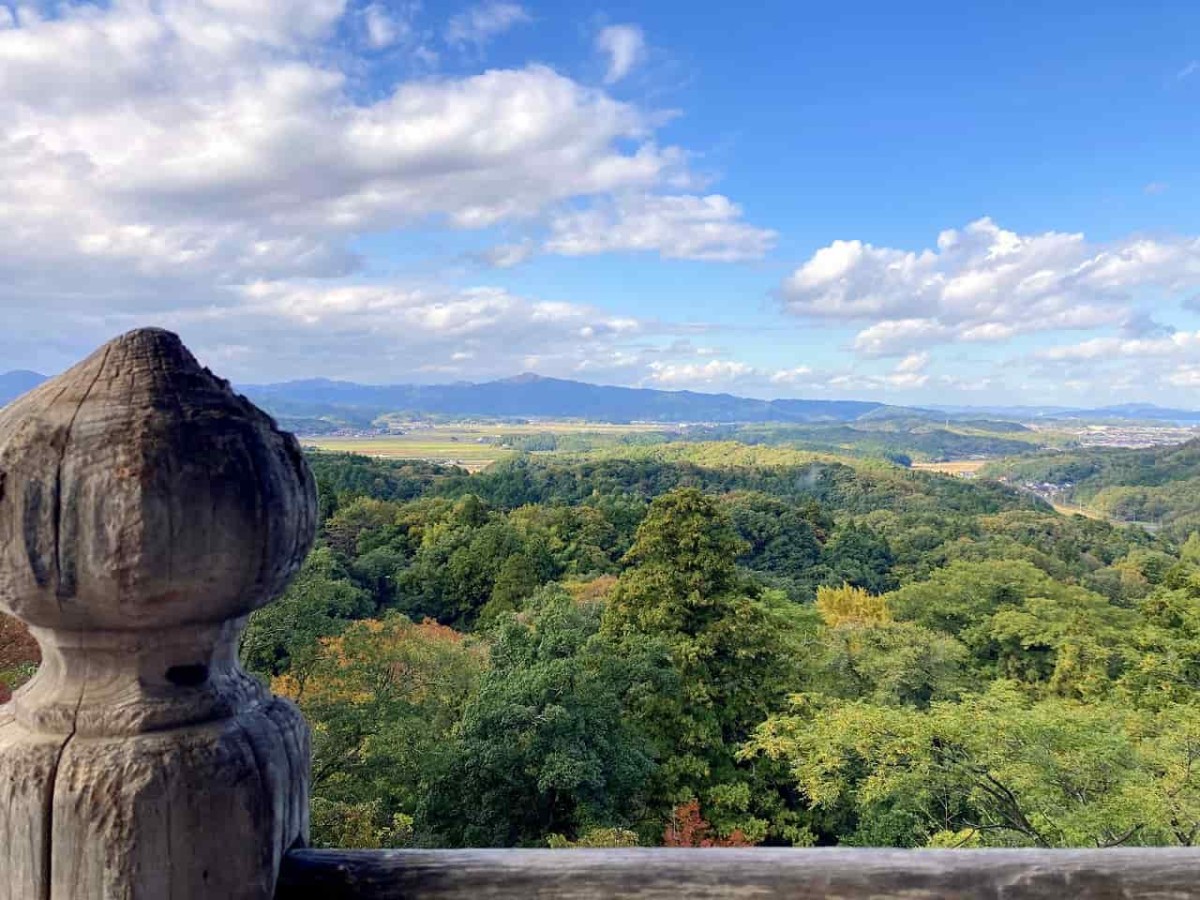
(14, 384)
(537, 397)
(534, 396)
(1145, 412)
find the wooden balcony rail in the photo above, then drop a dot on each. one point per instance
(830, 874)
(145, 511)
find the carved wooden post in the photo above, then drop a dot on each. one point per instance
(145, 510)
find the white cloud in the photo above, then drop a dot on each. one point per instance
(795, 375)
(1185, 376)
(672, 368)
(385, 332)
(984, 283)
(676, 227)
(1189, 70)
(1180, 343)
(914, 362)
(156, 158)
(715, 371)
(625, 47)
(435, 314)
(909, 372)
(481, 23)
(895, 336)
(1154, 367)
(507, 256)
(157, 121)
(383, 27)
(743, 377)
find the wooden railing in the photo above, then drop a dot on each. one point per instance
(832, 874)
(145, 511)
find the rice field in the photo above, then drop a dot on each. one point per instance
(962, 468)
(471, 456)
(473, 447)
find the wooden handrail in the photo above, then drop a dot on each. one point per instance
(822, 874)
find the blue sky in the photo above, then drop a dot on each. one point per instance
(930, 202)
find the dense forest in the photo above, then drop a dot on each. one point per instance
(900, 439)
(714, 644)
(1159, 485)
(718, 644)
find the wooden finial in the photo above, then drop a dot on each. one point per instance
(145, 511)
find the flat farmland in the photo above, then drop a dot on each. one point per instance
(963, 468)
(469, 456)
(473, 447)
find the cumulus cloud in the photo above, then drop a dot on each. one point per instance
(792, 376)
(157, 158)
(893, 336)
(909, 373)
(156, 119)
(914, 362)
(481, 23)
(984, 283)
(386, 26)
(1179, 343)
(508, 256)
(685, 374)
(386, 332)
(427, 314)
(625, 48)
(1150, 366)
(676, 227)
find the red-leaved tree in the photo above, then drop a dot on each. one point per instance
(689, 829)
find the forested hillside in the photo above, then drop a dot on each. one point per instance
(1160, 485)
(901, 440)
(719, 644)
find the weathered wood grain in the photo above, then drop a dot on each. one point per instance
(145, 511)
(834, 874)
(141, 492)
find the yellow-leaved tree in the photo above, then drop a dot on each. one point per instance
(848, 605)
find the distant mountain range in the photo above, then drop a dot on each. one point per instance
(537, 397)
(532, 396)
(1123, 411)
(1146, 411)
(14, 384)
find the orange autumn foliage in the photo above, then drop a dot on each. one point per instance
(391, 655)
(689, 829)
